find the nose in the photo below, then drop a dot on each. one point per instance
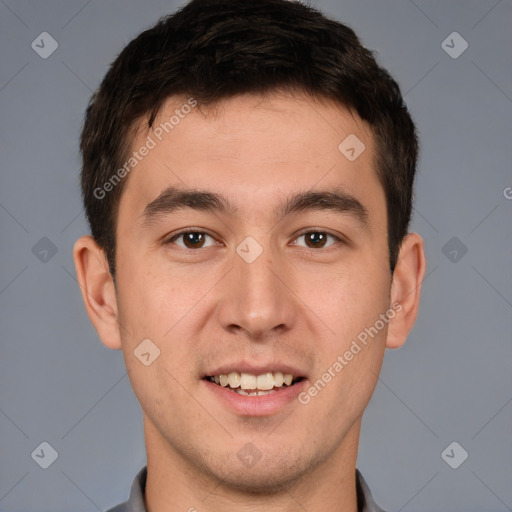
(258, 298)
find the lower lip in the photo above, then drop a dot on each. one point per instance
(260, 405)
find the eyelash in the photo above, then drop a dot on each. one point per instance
(169, 241)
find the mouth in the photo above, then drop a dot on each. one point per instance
(247, 384)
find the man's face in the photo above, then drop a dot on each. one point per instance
(254, 291)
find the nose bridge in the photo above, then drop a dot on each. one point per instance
(256, 300)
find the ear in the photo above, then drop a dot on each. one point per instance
(98, 290)
(406, 288)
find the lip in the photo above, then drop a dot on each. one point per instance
(265, 405)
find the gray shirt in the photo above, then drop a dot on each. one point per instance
(135, 503)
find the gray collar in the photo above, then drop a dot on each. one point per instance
(136, 500)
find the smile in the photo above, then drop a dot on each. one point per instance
(248, 384)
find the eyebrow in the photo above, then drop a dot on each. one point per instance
(174, 198)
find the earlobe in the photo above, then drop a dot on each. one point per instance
(406, 289)
(98, 291)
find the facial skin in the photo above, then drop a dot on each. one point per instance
(300, 303)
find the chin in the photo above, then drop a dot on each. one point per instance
(271, 475)
(263, 482)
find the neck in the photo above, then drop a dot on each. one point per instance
(174, 482)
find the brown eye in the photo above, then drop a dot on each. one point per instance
(317, 239)
(191, 239)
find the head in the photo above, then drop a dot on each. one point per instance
(249, 122)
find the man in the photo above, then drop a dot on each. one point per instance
(247, 175)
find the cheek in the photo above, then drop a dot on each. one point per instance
(350, 302)
(159, 306)
(153, 299)
(348, 299)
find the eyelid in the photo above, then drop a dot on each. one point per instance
(167, 240)
(339, 239)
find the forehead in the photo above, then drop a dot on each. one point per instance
(252, 149)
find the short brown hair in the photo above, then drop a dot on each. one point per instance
(213, 50)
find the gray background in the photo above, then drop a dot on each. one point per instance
(450, 382)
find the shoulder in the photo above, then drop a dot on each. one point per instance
(365, 499)
(135, 502)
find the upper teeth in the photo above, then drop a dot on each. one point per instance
(264, 382)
